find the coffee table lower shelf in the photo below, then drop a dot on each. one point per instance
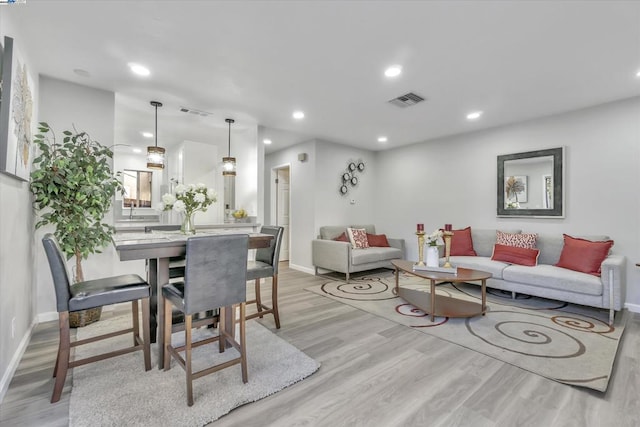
(444, 306)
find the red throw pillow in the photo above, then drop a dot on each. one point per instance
(378, 240)
(520, 240)
(583, 255)
(342, 238)
(515, 255)
(461, 243)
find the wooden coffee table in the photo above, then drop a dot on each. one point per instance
(442, 305)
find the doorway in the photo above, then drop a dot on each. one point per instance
(281, 204)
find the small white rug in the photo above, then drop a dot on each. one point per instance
(119, 392)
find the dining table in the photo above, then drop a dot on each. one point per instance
(157, 248)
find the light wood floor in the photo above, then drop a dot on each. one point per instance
(374, 373)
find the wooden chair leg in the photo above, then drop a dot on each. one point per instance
(221, 325)
(167, 334)
(187, 358)
(146, 336)
(243, 342)
(62, 364)
(258, 297)
(136, 321)
(274, 300)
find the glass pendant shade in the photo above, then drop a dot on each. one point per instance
(229, 163)
(155, 157)
(155, 154)
(228, 166)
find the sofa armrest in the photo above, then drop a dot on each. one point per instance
(397, 243)
(331, 255)
(613, 274)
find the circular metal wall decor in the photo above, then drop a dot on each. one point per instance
(349, 177)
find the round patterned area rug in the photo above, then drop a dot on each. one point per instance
(564, 342)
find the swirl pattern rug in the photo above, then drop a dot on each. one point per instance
(564, 342)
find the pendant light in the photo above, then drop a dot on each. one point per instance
(155, 154)
(229, 163)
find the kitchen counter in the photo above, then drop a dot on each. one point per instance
(134, 226)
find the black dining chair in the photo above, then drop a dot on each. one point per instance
(266, 265)
(91, 294)
(215, 278)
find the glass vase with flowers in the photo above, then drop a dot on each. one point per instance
(187, 200)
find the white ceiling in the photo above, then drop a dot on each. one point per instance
(258, 61)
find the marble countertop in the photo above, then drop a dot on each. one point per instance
(138, 226)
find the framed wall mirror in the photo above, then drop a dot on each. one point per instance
(530, 184)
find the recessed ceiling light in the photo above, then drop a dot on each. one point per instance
(266, 141)
(474, 115)
(140, 70)
(393, 71)
(147, 134)
(382, 139)
(298, 115)
(137, 150)
(638, 74)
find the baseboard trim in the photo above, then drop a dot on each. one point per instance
(634, 308)
(301, 268)
(47, 317)
(15, 361)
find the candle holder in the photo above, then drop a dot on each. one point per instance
(420, 235)
(446, 235)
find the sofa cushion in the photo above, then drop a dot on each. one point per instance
(330, 232)
(551, 246)
(551, 277)
(369, 228)
(373, 254)
(379, 240)
(583, 255)
(515, 255)
(480, 263)
(518, 240)
(342, 238)
(484, 239)
(461, 243)
(358, 238)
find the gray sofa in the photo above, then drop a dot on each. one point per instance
(547, 281)
(332, 255)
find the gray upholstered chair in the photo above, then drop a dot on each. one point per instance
(176, 264)
(90, 294)
(215, 277)
(266, 265)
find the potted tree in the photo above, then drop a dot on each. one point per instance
(73, 188)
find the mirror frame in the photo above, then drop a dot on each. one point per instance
(558, 184)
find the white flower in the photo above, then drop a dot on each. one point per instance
(179, 206)
(168, 199)
(212, 195)
(181, 189)
(200, 198)
(192, 187)
(435, 238)
(159, 207)
(201, 186)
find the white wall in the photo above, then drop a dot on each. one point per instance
(453, 180)
(63, 105)
(16, 247)
(315, 200)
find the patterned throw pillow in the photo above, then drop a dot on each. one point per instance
(358, 238)
(518, 240)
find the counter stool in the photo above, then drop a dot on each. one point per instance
(266, 265)
(215, 277)
(91, 294)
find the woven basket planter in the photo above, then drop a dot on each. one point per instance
(78, 319)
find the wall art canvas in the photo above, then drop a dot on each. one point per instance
(16, 113)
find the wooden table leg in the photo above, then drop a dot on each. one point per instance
(158, 277)
(433, 299)
(397, 281)
(484, 296)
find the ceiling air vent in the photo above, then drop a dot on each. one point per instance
(406, 100)
(195, 111)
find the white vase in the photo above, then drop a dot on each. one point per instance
(433, 256)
